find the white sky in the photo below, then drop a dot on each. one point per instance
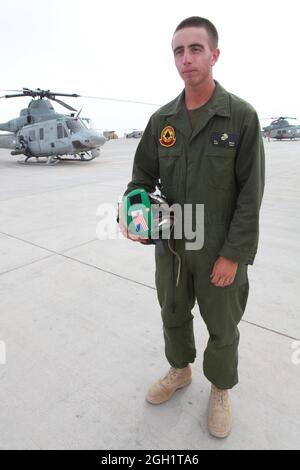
(123, 50)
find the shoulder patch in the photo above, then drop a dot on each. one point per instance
(167, 137)
(225, 140)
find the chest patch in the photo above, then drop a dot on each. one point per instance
(167, 137)
(224, 140)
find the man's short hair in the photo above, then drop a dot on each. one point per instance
(198, 22)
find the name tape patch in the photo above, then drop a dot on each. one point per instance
(225, 140)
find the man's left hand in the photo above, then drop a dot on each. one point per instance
(224, 272)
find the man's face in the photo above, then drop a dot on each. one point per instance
(194, 57)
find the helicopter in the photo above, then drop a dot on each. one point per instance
(281, 129)
(41, 133)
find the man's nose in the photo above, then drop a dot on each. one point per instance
(186, 59)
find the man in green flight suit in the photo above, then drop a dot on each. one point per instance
(205, 147)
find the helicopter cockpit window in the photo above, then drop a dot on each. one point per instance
(74, 125)
(31, 136)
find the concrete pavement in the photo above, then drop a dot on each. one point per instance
(82, 329)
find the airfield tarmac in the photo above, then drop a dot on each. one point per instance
(82, 328)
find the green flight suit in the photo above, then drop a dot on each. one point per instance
(219, 163)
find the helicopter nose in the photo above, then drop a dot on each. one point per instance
(88, 140)
(97, 139)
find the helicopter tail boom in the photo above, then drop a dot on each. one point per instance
(7, 141)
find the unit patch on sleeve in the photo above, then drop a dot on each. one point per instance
(168, 137)
(225, 140)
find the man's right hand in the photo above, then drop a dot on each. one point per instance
(123, 228)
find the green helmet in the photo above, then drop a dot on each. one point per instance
(147, 215)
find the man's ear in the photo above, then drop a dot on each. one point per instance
(215, 57)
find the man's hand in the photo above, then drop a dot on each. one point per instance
(123, 228)
(224, 272)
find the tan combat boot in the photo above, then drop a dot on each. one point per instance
(219, 415)
(166, 386)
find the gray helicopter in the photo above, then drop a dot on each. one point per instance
(42, 134)
(281, 129)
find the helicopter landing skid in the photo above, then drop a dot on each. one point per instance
(54, 160)
(79, 157)
(50, 161)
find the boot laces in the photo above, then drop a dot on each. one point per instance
(172, 374)
(220, 397)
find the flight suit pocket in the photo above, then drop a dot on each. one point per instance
(220, 167)
(170, 173)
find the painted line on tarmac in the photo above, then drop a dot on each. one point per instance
(119, 276)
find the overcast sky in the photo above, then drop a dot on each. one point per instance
(123, 50)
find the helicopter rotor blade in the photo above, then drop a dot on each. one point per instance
(70, 95)
(52, 95)
(119, 100)
(16, 91)
(283, 117)
(42, 93)
(13, 96)
(79, 112)
(48, 93)
(65, 105)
